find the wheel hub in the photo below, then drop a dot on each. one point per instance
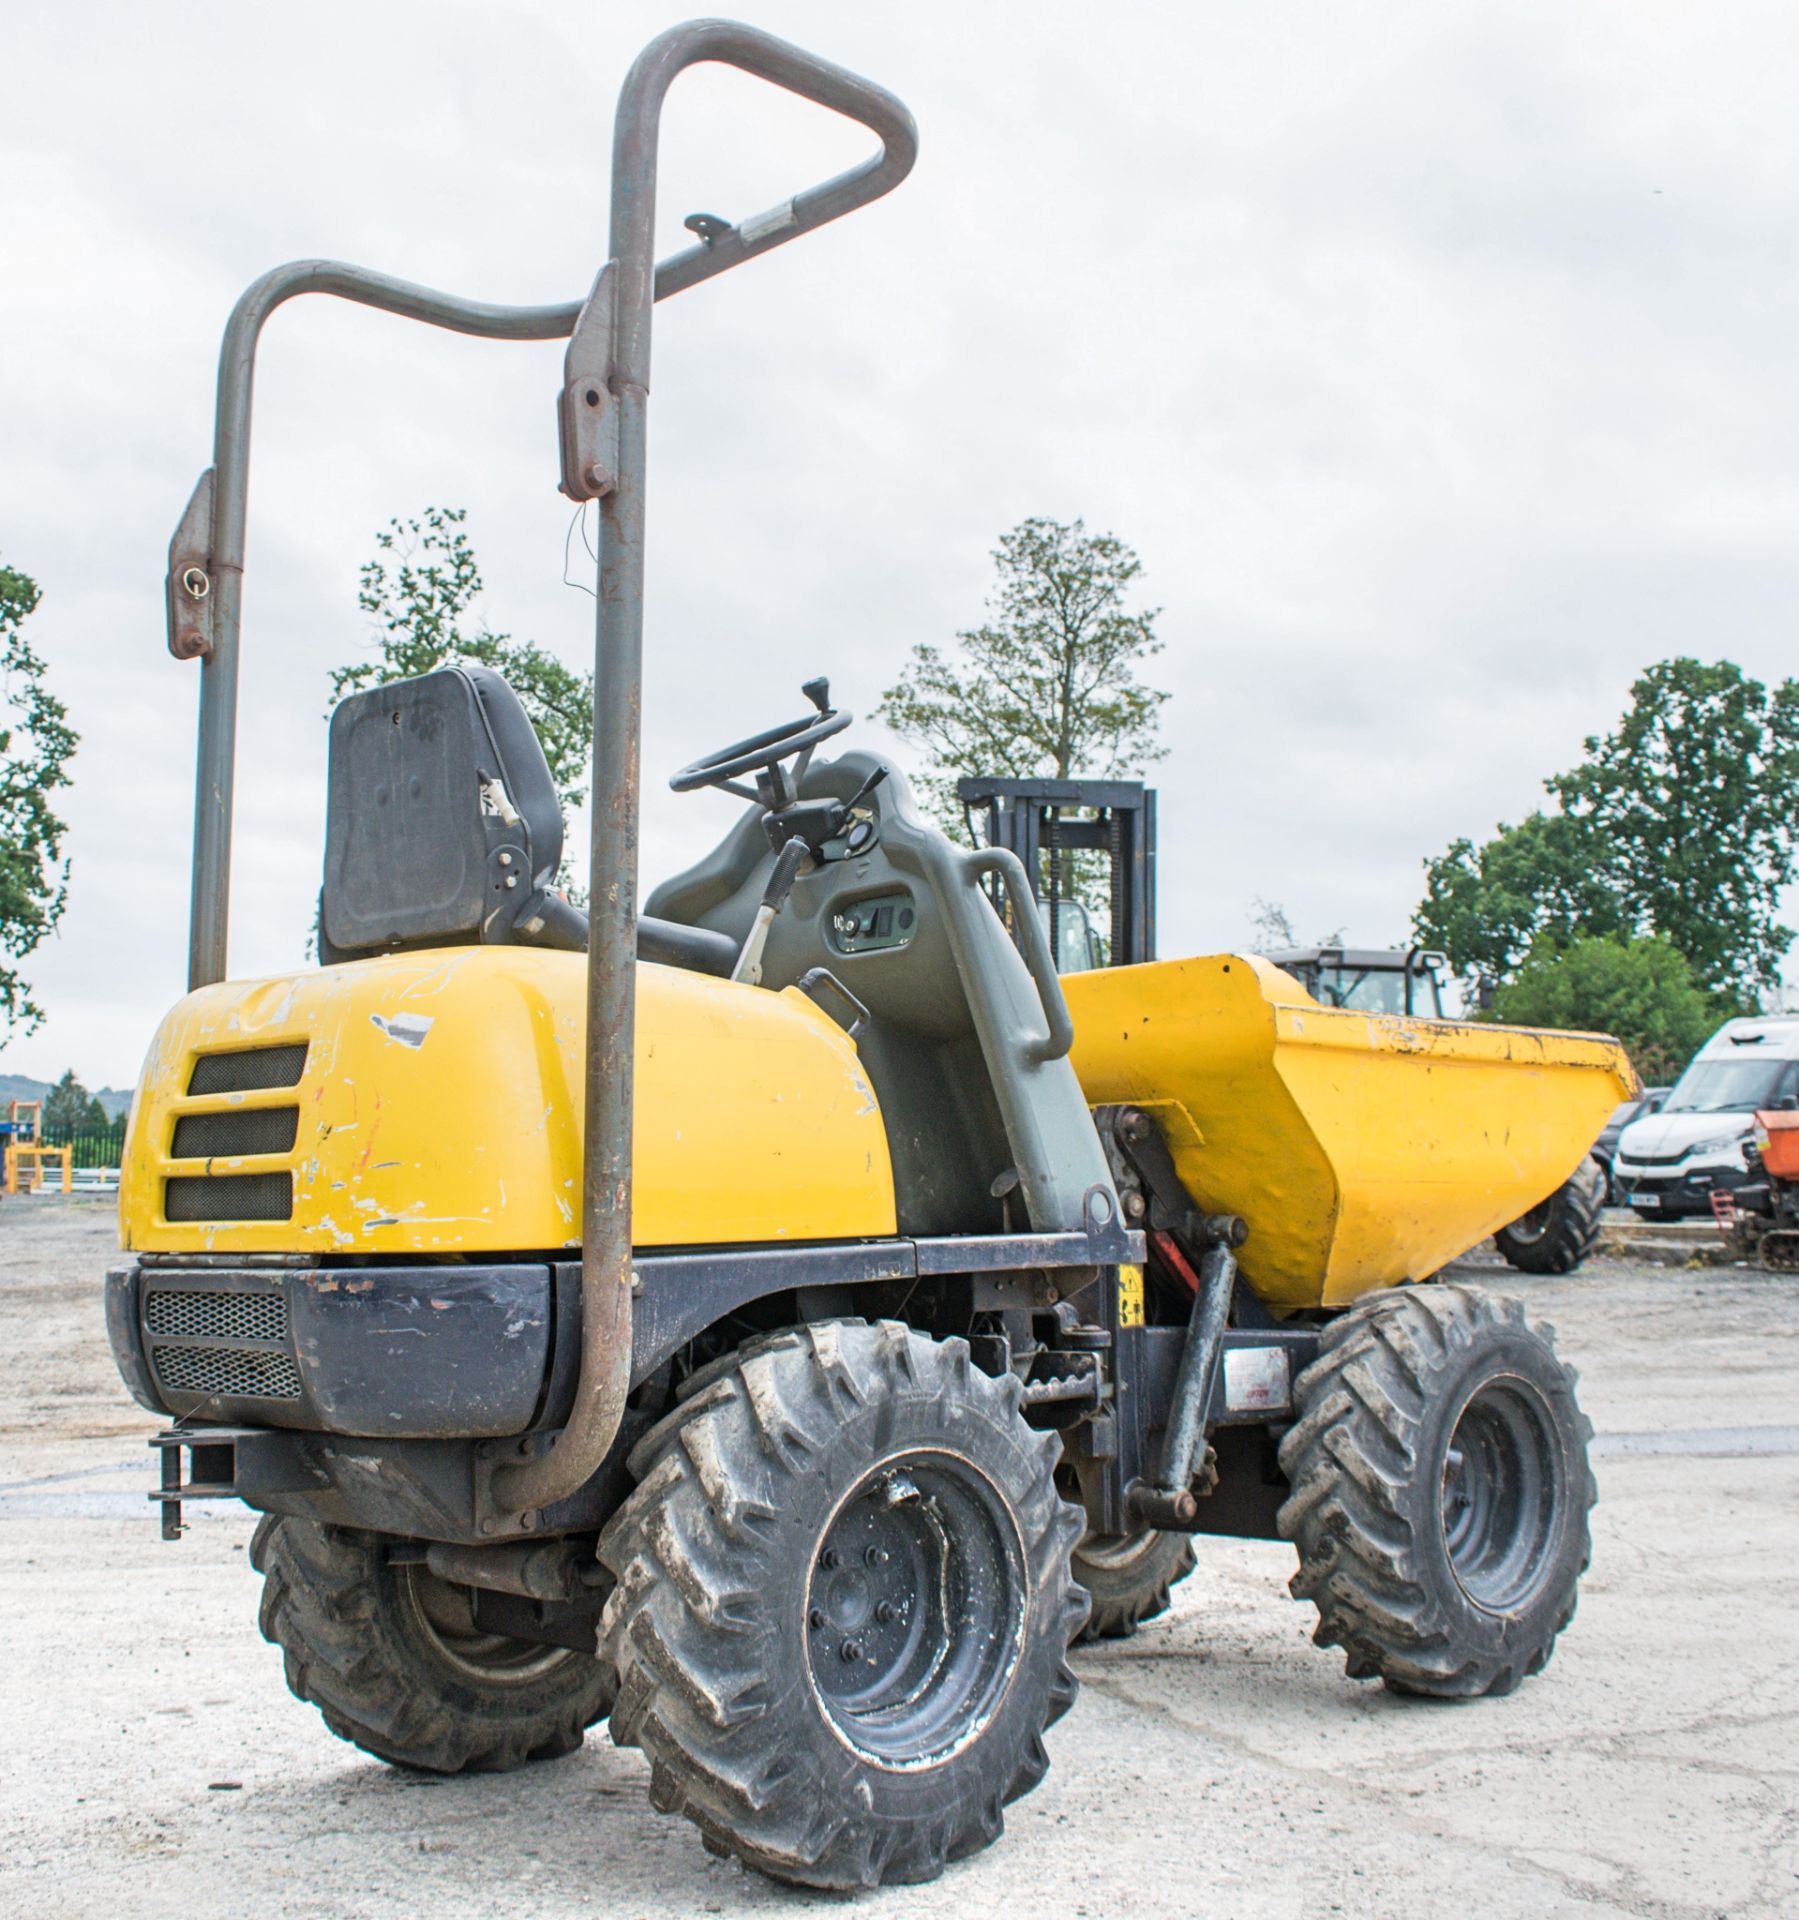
(446, 1614)
(1503, 1490)
(915, 1609)
(1531, 1229)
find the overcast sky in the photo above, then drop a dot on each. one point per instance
(1437, 359)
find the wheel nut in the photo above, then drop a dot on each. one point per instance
(876, 1556)
(852, 1650)
(815, 1619)
(884, 1611)
(828, 1558)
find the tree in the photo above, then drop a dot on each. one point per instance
(71, 1108)
(1643, 991)
(1048, 686)
(1683, 823)
(419, 589)
(36, 745)
(1273, 928)
(1487, 906)
(1695, 799)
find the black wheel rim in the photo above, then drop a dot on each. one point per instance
(1117, 1552)
(444, 1614)
(1504, 1491)
(915, 1609)
(1531, 1229)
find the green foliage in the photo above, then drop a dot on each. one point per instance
(1048, 686)
(1643, 991)
(419, 589)
(1683, 822)
(70, 1108)
(1695, 799)
(1486, 906)
(36, 746)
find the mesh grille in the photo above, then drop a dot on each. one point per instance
(242, 1373)
(249, 1071)
(219, 1316)
(230, 1196)
(202, 1136)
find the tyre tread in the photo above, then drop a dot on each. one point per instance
(695, 1700)
(1573, 1229)
(1361, 1564)
(322, 1606)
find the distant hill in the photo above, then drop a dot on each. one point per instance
(18, 1086)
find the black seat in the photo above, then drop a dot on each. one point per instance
(443, 828)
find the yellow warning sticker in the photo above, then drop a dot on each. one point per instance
(1130, 1296)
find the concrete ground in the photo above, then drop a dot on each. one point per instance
(154, 1763)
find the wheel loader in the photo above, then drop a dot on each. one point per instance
(772, 1321)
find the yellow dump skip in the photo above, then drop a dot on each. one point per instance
(1363, 1149)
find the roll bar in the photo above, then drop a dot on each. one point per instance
(602, 419)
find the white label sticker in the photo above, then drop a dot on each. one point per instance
(1256, 1378)
(407, 1028)
(763, 226)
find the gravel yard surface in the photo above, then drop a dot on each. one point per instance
(1217, 1764)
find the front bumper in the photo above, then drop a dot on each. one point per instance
(1674, 1193)
(392, 1353)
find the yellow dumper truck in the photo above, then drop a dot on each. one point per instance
(781, 1320)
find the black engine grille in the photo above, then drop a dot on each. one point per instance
(229, 1196)
(249, 1071)
(177, 1318)
(218, 1316)
(208, 1136)
(242, 1373)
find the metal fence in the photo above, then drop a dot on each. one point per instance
(90, 1147)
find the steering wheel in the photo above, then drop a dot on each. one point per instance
(762, 752)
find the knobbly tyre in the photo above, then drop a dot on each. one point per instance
(768, 1411)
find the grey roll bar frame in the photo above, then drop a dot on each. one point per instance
(603, 424)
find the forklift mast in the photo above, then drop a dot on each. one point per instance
(1040, 819)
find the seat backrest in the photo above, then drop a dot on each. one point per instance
(442, 824)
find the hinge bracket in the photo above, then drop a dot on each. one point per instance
(586, 412)
(188, 588)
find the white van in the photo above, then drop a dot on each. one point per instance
(1672, 1162)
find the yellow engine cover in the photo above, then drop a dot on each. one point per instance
(1363, 1149)
(439, 1111)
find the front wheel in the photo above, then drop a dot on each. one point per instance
(1559, 1233)
(1440, 1491)
(843, 1605)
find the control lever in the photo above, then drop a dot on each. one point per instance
(862, 792)
(816, 821)
(788, 862)
(782, 790)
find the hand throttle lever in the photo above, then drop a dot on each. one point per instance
(788, 862)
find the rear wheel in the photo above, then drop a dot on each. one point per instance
(1440, 1490)
(393, 1659)
(1557, 1236)
(1128, 1577)
(843, 1605)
